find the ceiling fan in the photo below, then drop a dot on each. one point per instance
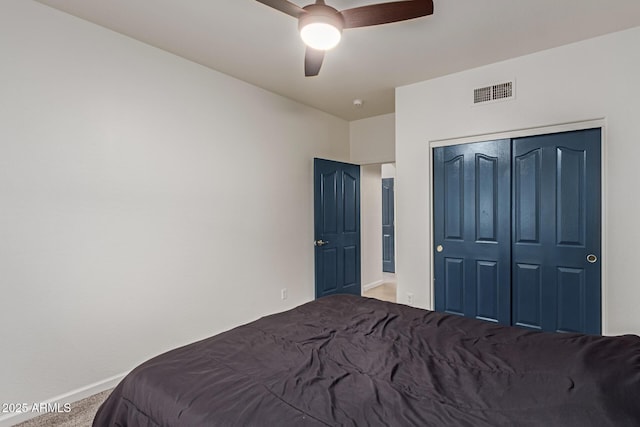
(321, 25)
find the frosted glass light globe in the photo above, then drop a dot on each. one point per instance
(320, 35)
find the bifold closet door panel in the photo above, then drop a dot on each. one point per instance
(472, 194)
(556, 232)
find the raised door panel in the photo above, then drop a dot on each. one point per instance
(328, 269)
(487, 290)
(454, 283)
(527, 197)
(329, 201)
(454, 198)
(571, 195)
(350, 203)
(350, 261)
(572, 310)
(486, 198)
(527, 296)
(387, 248)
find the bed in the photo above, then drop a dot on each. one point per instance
(352, 361)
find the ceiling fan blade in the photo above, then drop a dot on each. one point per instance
(384, 13)
(312, 62)
(284, 6)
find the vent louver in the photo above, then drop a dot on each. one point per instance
(482, 94)
(493, 92)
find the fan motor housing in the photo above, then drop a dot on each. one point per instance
(321, 13)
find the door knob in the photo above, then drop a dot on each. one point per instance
(320, 242)
(592, 258)
(439, 248)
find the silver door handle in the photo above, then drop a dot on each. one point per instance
(320, 242)
(592, 258)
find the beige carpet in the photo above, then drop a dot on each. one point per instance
(385, 292)
(81, 415)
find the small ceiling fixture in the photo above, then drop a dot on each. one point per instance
(321, 25)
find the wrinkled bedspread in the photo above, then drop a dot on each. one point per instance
(347, 360)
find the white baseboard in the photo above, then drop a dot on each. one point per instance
(372, 285)
(9, 420)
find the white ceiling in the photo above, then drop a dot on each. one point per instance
(257, 44)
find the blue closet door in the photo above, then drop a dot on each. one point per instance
(472, 230)
(519, 240)
(556, 232)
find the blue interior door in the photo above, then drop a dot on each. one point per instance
(471, 230)
(388, 227)
(337, 228)
(556, 232)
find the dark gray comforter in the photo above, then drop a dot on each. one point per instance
(346, 360)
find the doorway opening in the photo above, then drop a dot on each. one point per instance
(378, 232)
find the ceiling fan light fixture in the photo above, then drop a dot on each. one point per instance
(320, 35)
(321, 27)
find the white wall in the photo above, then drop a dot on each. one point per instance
(147, 201)
(597, 78)
(388, 170)
(371, 225)
(372, 140)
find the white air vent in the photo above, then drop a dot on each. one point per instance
(482, 94)
(495, 92)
